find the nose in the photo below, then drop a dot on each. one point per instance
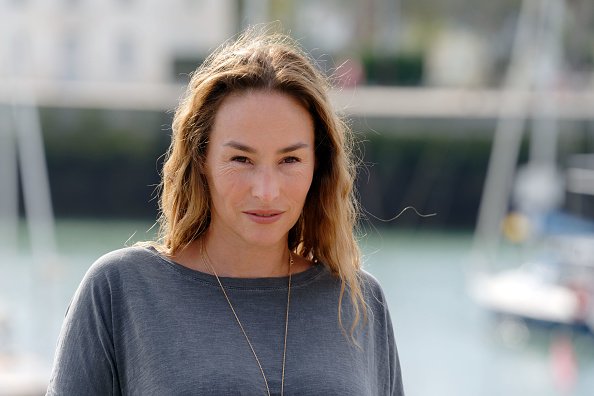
(265, 185)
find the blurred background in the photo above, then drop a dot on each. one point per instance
(480, 115)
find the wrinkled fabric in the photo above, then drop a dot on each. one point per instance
(140, 324)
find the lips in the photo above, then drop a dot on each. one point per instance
(264, 216)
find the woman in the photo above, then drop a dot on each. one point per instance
(255, 287)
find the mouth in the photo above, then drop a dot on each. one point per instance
(264, 216)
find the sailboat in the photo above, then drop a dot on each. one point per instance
(554, 283)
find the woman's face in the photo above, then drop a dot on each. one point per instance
(259, 165)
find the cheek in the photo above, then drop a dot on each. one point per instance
(225, 182)
(300, 184)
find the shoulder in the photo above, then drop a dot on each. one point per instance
(371, 285)
(122, 259)
(120, 264)
(127, 255)
(374, 296)
(369, 279)
(115, 273)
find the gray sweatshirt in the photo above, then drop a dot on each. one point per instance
(140, 324)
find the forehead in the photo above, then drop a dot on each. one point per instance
(262, 117)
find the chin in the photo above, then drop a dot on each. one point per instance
(266, 238)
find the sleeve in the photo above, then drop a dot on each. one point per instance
(84, 363)
(396, 387)
(387, 363)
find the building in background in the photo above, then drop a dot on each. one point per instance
(398, 42)
(109, 40)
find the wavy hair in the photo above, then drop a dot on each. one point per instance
(259, 60)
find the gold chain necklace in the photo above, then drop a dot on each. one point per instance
(206, 260)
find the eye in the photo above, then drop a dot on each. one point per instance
(290, 160)
(240, 159)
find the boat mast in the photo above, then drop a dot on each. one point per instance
(534, 64)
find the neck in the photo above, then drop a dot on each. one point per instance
(230, 260)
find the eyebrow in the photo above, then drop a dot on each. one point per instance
(248, 149)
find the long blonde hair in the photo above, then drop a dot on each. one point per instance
(264, 61)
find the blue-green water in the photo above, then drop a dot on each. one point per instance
(447, 344)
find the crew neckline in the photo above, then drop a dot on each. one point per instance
(299, 279)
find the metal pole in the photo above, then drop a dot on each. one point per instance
(9, 193)
(35, 181)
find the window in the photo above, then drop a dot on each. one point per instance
(125, 56)
(183, 66)
(70, 54)
(19, 60)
